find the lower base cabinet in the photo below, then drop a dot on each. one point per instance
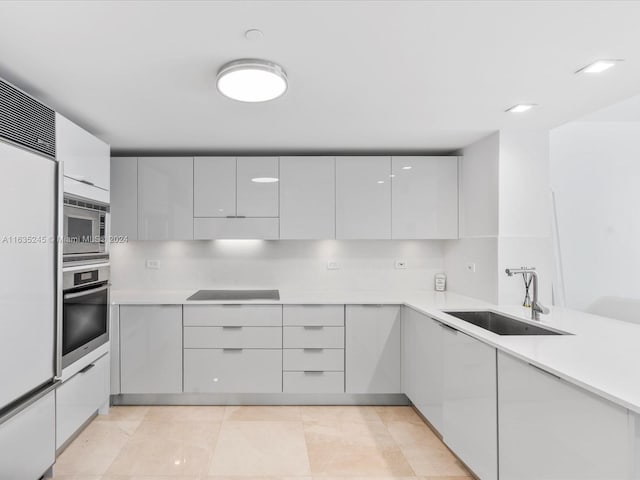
(27, 441)
(151, 349)
(550, 429)
(313, 381)
(470, 416)
(422, 360)
(232, 370)
(372, 349)
(80, 397)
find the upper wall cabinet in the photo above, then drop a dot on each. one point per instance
(165, 198)
(363, 197)
(425, 197)
(85, 161)
(124, 197)
(307, 198)
(236, 197)
(227, 187)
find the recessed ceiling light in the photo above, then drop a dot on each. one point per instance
(252, 80)
(408, 167)
(393, 175)
(264, 180)
(380, 181)
(599, 66)
(521, 107)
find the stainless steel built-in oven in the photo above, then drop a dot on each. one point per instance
(85, 312)
(85, 230)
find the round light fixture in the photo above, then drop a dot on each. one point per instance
(252, 80)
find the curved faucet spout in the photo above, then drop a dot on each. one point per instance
(536, 307)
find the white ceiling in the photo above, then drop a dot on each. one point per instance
(626, 111)
(364, 76)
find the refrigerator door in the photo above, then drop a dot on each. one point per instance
(27, 271)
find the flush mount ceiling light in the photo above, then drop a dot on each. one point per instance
(252, 80)
(520, 108)
(264, 180)
(599, 66)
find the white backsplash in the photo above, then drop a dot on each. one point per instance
(284, 264)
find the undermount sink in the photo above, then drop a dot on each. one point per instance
(502, 325)
(235, 295)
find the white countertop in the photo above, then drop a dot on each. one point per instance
(602, 355)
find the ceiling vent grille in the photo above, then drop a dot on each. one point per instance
(26, 122)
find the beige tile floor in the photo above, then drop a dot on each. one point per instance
(258, 443)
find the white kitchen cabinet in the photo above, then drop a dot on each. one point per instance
(313, 381)
(363, 198)
(470, 420)
(165, 198)
(232, 200)
(256, 196)
(422, 364)
(151, 348)
(214, 186)
(550, 429)
(233, 370)
(85, 160)
(372, 349)
(27, 441)
(236, 228)
(424, 198)
(307, 198)
(124, 197)
(80, 397)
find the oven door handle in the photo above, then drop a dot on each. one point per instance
(68, 296)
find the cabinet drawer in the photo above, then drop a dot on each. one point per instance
(233, 337)
(233, 315)
(236, 228)
(313, 382)
(301, 359)
(232, 371)
(301, 315)
(79, 397)
(27, 441)
(313, 337)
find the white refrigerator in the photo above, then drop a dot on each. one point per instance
(28, 256)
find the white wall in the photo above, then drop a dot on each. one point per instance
(285, 264)
(478, 182)
(479, 188)
(595, 173)
(525, 212)
(504, 217)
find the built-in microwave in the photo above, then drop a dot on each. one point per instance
(85, 312)
(84, 226)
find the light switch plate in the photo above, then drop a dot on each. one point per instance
(152, 264)
(471, 267)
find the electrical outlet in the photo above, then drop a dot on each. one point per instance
(333, 265)
(401, 265)
(153, 264)
(471, 267)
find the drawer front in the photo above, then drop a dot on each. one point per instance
(233, 315)
(313, 382)
(313, 337)
(301, 315)
(233, 337)
(232, 371)
(325, 359)
(79, 397)
(27, 441)
(236, 228)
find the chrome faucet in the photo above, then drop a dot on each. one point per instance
(536, 307)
